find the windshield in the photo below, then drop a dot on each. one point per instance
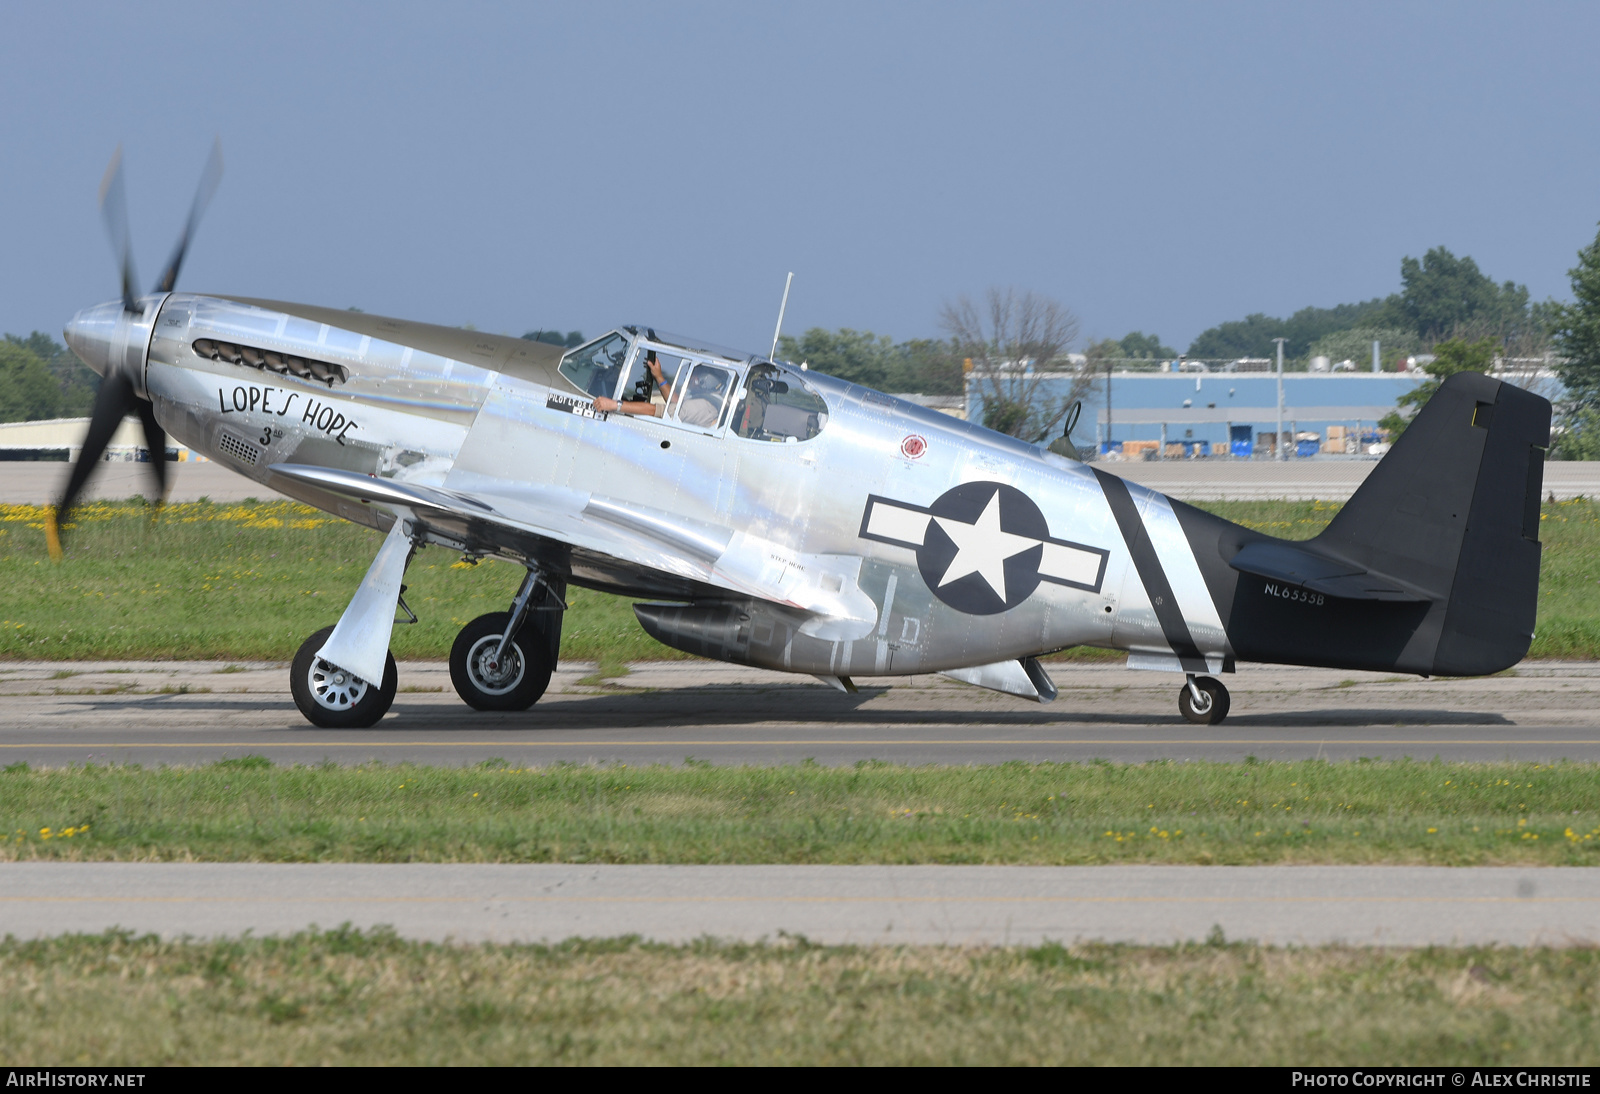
(779, 406)
(596, 368)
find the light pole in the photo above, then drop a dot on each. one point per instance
(1108, 406)
(1280, 342)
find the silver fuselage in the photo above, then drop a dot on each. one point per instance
(646, 508)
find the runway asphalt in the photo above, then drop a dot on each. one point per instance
(667, 712)
(952, 905)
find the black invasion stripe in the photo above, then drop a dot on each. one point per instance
(1151, 574)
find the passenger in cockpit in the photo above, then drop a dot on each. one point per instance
(702, 404)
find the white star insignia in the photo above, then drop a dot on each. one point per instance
(982, 548)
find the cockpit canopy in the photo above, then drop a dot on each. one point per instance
(702, 383)
(595, 368)
(778, 406)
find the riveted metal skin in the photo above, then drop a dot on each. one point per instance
(866, 537)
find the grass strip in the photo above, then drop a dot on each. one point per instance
(250, 581)
(348, 997)
(248, 810)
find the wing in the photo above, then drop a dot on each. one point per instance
(666, 553)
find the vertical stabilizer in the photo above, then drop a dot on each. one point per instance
(1453, 512)
(1431, 567)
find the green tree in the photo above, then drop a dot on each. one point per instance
(570, 340)
(1248, 337)
(1576, 332)
(1456, 355)
(1441, 297)
(1444, 296)
(923, 365)
(929, 367)
(28, 392)
(1137, 344)
(1356, 345)
(1576, 435)
(1106, 349)
(76, 381)
(1253, 335)
(858, 356)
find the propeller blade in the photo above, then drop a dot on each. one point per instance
(155, 439)
(114, 207)
(202, 197)
(114, 402)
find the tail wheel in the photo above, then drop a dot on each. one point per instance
(515, 680)
(332, 698)
(1213, 705)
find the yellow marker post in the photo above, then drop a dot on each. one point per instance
(52, 533)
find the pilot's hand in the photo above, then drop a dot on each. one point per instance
(605, 404)
(655, 370)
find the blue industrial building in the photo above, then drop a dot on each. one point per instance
(1206, 409)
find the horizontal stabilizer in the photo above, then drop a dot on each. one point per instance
(1298, 566)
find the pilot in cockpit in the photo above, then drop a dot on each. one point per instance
(644, 407)
(706, 392)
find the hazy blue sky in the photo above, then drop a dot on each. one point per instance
(1160, 166)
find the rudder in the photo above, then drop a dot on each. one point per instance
(1494, 600)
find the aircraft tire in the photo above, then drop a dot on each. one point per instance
(334, 700)
(1214, 711)
(518, 686)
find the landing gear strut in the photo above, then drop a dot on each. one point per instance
(503, 660)
(332, 698)
(343, 677)
(1203, 700)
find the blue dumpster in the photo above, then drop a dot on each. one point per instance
(1240, 442)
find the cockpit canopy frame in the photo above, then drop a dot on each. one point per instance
(770, 401)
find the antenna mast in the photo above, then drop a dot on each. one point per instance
(781, 309)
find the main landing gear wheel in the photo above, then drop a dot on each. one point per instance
(513, 682)
(1211, 706)
(334, 699)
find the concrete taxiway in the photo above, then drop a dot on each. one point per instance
(666, 712)
(1303, 480)
(951, 905)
